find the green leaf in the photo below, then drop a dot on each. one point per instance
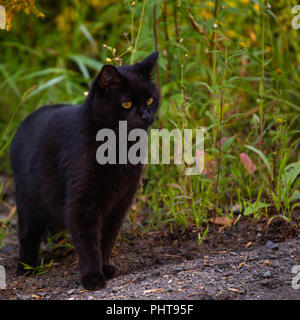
(163, 110)
(206, 85)
(201, 237)
(227, 144)
(48, 71)
(177, 98)
(262, 156)
(253, 208)
(292, 171)
(10, 80)
(21, 46)
(7, 143)
(88, 35)
(46, 85)
(89, 62)
(295, 196)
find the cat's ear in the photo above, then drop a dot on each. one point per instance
(146, 67)
(109, 78)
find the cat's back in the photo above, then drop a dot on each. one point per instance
(37, 128)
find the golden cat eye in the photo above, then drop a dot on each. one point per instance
(149, 101)
(127, 104)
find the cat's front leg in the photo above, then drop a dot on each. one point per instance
(84, 226)
(111, 225)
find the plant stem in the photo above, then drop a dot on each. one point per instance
(175, 21)
(181, 82)
(156, 46)
(220, 127)
(212, 40)
(139, 31)
(214, 81)
(132, 41)
(165, 18)
(261, 86)
(14, 113)
(213, 65)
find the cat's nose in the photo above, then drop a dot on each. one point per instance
(146, 115)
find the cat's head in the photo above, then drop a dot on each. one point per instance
(125, 93)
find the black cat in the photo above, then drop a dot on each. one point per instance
(59, 183)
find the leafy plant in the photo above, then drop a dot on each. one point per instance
(228, 66)
(38, 270)
(284, 194)
(14, 6)
(60, 240)
(3, 232)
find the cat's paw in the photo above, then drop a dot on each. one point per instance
(109, 271)
(93, 281)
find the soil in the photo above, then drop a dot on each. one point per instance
(252, 259)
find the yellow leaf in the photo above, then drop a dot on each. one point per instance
(222, 221)
(248, 244)
(152, 290)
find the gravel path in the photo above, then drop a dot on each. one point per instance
(250, 260)
(263, 272)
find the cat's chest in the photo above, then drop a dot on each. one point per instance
(118, 177)
(109, 180)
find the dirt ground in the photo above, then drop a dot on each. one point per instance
(249, 260)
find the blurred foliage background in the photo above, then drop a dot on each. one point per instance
(229, 66)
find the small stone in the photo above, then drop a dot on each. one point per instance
(42, 294)
(237, 209)
(71, 291)
(271, 245)
(267, 274)
(267, 263)
(265, 282)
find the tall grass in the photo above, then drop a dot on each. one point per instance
(229, 66)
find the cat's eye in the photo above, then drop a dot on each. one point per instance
(127, 104)
(149, 101)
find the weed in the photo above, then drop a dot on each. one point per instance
(228, 66)
(38, 270)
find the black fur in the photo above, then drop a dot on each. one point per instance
(59, 183)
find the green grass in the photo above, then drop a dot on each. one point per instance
(229, 66)
(38, 270)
